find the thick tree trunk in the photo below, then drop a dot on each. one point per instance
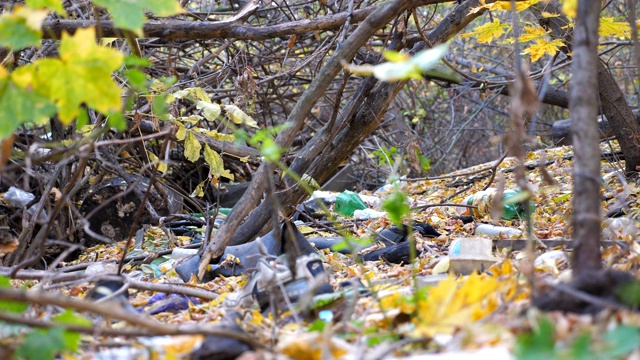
(583, 105)
(614, 106)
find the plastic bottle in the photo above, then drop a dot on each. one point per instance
(483, 199)
(497, 231)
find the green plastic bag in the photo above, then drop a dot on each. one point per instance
(348, 202)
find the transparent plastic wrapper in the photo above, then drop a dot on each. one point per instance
(619, 229)
(483, 200)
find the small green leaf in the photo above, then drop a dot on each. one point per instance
(19, 106)
(629, 294)
(21, 28)
(311, 182)
(129, 14)
(396, 205)
(271, 151)
(581, 348)
(192, 147)
(117, 121)
(317, 326)
(159, 106)
(132, 61)
(54, 5)
(10, 306)
(42, 344)
(537, 345)
(137, 79)
(622, 340)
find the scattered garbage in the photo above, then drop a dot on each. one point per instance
(348, 202)
(162, 302)
(273, 280)
(397, 249)
(483, 199)
(236, 260)
(112, 292)
(551, 261)
(619, 229)
(467, 255)
(395, 234)
(19, 198)
(313, 209)
(497, 231)
(368, 214)
(181, 253)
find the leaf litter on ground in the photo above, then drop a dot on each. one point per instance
(409, 311)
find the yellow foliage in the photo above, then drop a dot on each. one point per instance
(454, 303)
(82, 74)
(486, 33)
(610, 27)
(570, 8)
(503, 5)
(313, 346)
(543, 47)
(531, 33)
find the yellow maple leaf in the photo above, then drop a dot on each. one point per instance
(543, 47)
(610, 27)
(570, 8)
(503, 5)
(531, 33)
(548, 15)
(488, 32)
(454, 303)
(82, 74)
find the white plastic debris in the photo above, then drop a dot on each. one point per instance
(18, 197)
(368, 214)
(619, 229)
(498, 231)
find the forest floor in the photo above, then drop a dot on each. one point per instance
(422, 311)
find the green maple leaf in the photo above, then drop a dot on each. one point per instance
(55, 5)
(82, 74)
(128, 14)
(18, 106)
(21, 28)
